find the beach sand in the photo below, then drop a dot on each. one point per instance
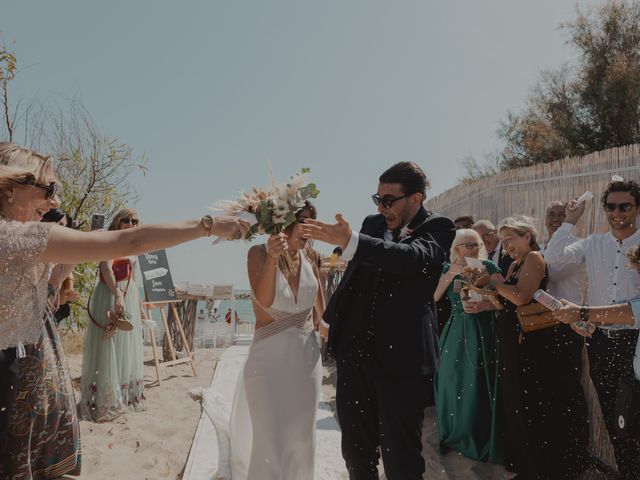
(153, 444)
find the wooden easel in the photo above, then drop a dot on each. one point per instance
(171, 304)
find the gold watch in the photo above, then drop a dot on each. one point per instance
(207, 223)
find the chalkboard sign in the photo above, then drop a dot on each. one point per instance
(156, 277)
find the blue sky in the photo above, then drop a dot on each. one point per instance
(215, 91)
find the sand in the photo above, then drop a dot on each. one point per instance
(153, 444)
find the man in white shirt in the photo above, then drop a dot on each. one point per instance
(611, 350)
(568, 281)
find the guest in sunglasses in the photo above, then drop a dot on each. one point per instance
(383, 330)
(39, 434)
(466, 383)
(611, 349)
(112, 359)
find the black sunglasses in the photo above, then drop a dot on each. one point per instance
(50, 189)
(387, 201)
(623, 207)
(132, 221)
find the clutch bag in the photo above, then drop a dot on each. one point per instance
(535, 316)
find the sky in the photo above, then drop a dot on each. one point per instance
(215, 92)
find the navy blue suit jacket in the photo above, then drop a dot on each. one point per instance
(390, 286)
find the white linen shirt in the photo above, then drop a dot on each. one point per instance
(609, 279)
(566, 281)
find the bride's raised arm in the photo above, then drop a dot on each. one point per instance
(262, 266)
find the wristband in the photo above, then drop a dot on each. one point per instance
(584, 313)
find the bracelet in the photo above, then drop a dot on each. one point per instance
(207, 223)
(273, 258)
(584, 313)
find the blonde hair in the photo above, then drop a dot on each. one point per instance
(124, 213)
(18, 164)
(461, 234)
(521, 225)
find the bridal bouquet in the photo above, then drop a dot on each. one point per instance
(271, 210)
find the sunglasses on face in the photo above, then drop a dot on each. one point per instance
(50, 189)
(471, 245)
(132, 221)
(387, 201)
(622, 207)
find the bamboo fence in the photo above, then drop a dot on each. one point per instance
(529, 191)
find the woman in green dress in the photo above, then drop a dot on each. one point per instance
(112, 361)
(465, 386)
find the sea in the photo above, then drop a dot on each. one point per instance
(244, 307)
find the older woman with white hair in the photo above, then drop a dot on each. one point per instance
(466, 382)
(540, 399)
(39, 435)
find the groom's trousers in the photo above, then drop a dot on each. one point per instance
(379, 412)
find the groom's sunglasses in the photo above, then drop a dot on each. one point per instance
(50, 189)
(387, 201)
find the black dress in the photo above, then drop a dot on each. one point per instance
(540, 398)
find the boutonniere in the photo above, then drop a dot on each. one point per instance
(405, 232)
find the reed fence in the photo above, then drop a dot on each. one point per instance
(530, 190)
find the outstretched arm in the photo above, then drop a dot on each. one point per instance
(425, 250)
(66, 245)
(621, 314)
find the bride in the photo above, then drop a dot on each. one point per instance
(280, 382)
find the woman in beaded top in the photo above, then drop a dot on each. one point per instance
(39, 435)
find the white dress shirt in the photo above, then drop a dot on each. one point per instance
(609, 279)
(567, 281)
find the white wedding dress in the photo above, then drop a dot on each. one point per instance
(272, 426)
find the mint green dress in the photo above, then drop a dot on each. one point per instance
(466, 383)
(112, 368)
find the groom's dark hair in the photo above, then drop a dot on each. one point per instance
(407, 174)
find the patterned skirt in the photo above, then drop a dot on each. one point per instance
(43, 432)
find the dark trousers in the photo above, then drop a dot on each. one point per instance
(611, 360)
(8, 390)
(381, 412)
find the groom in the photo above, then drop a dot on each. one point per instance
(382, 325)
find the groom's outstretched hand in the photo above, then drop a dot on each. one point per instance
(338, 233)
